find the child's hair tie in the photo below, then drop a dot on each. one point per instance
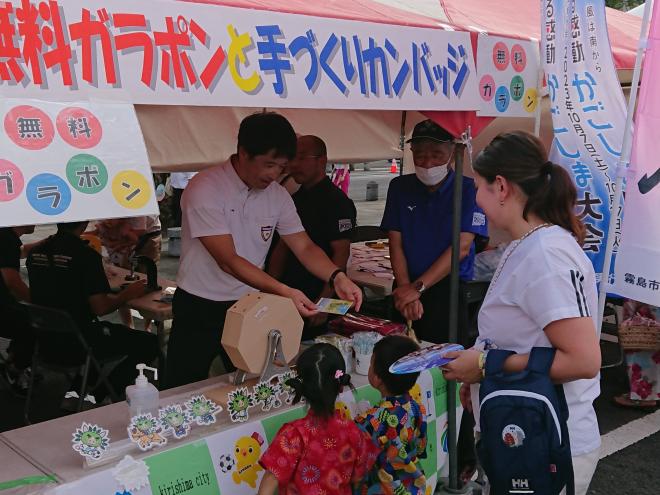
(338, 374)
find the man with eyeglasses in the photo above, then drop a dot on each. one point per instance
(418, 218)
(328, 216)
(230, 213)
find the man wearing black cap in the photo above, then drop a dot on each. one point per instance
(328, 217)
(418, 218)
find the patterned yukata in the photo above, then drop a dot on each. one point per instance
(643, 366)
(310, 456)
(397, 426)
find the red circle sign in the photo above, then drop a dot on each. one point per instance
(487, 87)
(11, 181)
(29, 127)
(501, 56)
(518, 58)
(79, 127)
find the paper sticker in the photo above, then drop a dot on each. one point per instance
(91, 440)
(238, 403)
(145, 431)
(286, 392)
(175, 420)
(266, 394)
(248, 451)
(202, 410)
(235, 453)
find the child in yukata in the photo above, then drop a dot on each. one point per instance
(397, 425)
(322, 452)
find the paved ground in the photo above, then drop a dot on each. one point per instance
(631, 437)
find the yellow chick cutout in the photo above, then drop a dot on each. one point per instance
(247, 452)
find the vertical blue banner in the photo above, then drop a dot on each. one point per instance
(588, 111)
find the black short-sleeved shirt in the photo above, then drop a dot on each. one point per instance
(64, 271)
(327, 215)
(10, 257)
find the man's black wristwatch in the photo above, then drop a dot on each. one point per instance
(331, 280)
(419, 286)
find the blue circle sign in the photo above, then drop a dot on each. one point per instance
(48, 194)
(502, 99)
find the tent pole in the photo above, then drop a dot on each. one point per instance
(452, 435)
(622, 165)
(402, 139)
(539, 102)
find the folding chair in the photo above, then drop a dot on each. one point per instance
(52, 325)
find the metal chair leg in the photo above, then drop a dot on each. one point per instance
(103, 379)
(83, 387)
(28, 397)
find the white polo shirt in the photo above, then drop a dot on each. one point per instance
(218, 202)
(546, 278)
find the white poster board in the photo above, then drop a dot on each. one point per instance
(185, 53)
(64, 162)
(507, 77)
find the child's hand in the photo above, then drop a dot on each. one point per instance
(268, 484)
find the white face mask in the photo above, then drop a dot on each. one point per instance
(431, 176)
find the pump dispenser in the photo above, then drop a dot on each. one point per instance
(143, 396)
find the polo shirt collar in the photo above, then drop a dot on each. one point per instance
(320, 185)
(234, 179)
(70, 237)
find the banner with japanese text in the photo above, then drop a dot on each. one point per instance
(588, 110)
(507, 71)
(184, 53)
(63, 162)
(637, 268)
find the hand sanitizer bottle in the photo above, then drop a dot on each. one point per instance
(143, 396)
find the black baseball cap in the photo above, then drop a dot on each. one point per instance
(427, 129)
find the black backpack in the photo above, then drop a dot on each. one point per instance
(524, 446)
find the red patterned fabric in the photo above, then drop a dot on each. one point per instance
(311, 456)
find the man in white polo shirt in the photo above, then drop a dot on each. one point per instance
(230, 213)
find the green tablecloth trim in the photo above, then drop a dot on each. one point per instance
(29, 480)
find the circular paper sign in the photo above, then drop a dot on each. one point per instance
(29, 127)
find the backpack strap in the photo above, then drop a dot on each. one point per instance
(495, 361)
(540, 359)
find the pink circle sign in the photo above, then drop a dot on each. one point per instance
(29, 127)
(518, 58)
(79, 127)
(487, 87)
(500, 56)
(11, 181)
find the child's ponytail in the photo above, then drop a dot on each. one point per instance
(321, 377)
